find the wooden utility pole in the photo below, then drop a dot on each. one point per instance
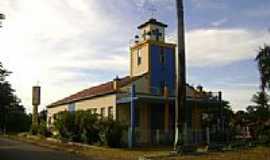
(180, 100)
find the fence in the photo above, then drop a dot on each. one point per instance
(159, 137)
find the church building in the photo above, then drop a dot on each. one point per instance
(152, 76)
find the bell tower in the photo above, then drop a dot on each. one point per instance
(150, 54)
(152, 30)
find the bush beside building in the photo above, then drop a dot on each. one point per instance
(85, 127)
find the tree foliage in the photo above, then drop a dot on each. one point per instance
(258, 116)
(263, 60)
(12, 114)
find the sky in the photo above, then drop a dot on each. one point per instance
(69, 45)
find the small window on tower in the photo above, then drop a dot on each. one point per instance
(162, 56)
(139, 57)
(157, 34)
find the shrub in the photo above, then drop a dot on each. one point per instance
(42, 129)
(83, 126)
(34, 129)
(111, 132)
(88, 126)
(65, 125)
(80, 126)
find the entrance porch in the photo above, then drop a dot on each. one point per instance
(154, 119)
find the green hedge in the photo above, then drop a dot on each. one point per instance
(83, 126)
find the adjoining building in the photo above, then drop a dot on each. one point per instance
(152, 72)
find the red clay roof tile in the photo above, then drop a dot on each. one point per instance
(91, 92)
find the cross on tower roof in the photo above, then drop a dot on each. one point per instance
(152, 9)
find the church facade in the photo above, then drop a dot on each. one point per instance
(152, 76)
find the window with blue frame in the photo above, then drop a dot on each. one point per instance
(71, 107)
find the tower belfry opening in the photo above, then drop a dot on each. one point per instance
(152, 30)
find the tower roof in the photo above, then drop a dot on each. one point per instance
(152, 21)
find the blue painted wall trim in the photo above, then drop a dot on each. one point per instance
(162, 72)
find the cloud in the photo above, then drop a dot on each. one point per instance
(70, 45)
(40, 37)
(240, 97)
(213, 4)
(212, 46)
(219, 22)
(146, 6)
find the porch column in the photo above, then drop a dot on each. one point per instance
(131, 137)
(166, 109)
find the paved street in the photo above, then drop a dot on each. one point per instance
(14, 150)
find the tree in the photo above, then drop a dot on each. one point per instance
(12, 113)
(258, 115)
(262, 100)
(260, 111)
(263, 60)
(5, 96)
